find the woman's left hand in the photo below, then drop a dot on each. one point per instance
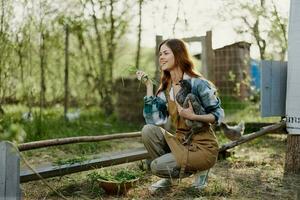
(187, 113)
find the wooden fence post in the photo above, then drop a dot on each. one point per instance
(292, 164)
(204, 68)
(209, 56)
(9, 172)
(158, 40)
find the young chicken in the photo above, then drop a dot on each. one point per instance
(183, 97)
(233, 132)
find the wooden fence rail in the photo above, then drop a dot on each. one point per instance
(72, 140)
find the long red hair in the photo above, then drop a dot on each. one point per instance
(182, 60)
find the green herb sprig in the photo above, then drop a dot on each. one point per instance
(119, 176)
(132, 70)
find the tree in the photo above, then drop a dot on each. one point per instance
(32, 50)
(88, 62)
(263, 22)
(7, 62)
(113, 26)
(2, 49)
(66, 101)
(278, 31)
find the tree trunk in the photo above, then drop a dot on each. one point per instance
(158, 40)
(104, 86)
(177, 17)
(261, 43)
(256, 32)
(112, 43)
(102, 65)
(292, 161)
(138, 52)
(1, 110)
(283, 32)
(107, 96)
(42, 83)
(66, 100)
(2, 17)
(20, 54)
(85, 51)
(42, 67)
(88, 63)
(1, 49)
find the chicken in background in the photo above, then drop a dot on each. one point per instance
(233, 132)
(27, 116)
(72, 116)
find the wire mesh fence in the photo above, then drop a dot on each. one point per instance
(232, 77)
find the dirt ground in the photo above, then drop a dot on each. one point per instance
(254, 171)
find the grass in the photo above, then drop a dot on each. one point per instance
(91, 122)
(250, 113)
(70, 161)
(115, 176)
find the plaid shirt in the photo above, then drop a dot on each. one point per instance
(156, 110)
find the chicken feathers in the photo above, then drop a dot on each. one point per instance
(233, 132)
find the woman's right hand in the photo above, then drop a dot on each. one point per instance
(142, 76)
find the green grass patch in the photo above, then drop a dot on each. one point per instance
(231, 104)
(122, 175)
(70, 161)
(249, 113)
(52, 124)
(92, 122)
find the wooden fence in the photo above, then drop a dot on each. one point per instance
(11, 176)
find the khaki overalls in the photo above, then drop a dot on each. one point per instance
(170, 155)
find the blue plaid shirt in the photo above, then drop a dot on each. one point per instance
(156, 110)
